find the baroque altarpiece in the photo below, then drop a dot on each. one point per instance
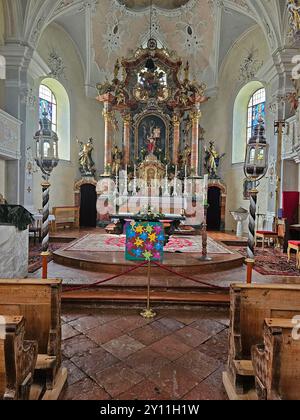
(160, 112)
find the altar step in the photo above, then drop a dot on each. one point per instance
(203, 297)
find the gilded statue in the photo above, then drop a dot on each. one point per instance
(186, 156)
(86, 163)
(117, 157)
(212, 160)
(294, 18)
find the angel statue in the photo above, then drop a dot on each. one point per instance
(212, 160)
(86, 163)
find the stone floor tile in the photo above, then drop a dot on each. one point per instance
(144, 391)
(171, 347)
(76, 346)
(118, 379)
(103, 333)
(150, 333)
(199, 363)
(86, 389)
(191, 336)
(94, 361)
(146, 361)
(174, 379)
(123, 346)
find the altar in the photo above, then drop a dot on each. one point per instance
(152, 132)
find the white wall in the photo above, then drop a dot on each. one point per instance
(2, 177)
(217, 120)
(86, 118)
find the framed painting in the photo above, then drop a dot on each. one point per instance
(152, 136)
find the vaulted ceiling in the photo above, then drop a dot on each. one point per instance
(202, 31)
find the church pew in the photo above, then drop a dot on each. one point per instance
(39, 301)
(276, 363)
(250, 306)
(17, 359)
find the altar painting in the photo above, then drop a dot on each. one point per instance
(152, 134)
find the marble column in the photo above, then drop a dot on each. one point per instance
(108, 134)
(176, 142)
(127, 127)
(196, 115)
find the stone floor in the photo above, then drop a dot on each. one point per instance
(116, 354)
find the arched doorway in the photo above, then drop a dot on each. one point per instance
(214, 209)
(86, 199)
(217, 194)
(88, 202)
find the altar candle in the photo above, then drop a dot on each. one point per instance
(167, 171)
(176, 171)
(185, 171)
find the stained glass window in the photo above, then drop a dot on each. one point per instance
(47, 101)
(256, 111)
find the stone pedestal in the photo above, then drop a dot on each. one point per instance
(14, 250)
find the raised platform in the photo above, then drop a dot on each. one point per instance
(80, 255)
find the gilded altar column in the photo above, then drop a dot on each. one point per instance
(196, 115)
(108, 134)
(127, 128)
(176, 143)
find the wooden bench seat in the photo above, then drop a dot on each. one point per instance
(17, 359)
(250, 306)
(276, 362)
(39, 301)
(66, 217)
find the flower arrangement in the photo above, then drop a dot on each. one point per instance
(149, 213)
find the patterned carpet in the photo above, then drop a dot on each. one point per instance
(113, 243)
(35, 259)
(271, 262)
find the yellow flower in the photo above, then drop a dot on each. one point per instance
(152, 237)
(138, 242)
(139, 229)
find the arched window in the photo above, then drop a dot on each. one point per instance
(249, 106)
(54, 98)
(256, 111)
(48, 103)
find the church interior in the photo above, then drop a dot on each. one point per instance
(149, 200)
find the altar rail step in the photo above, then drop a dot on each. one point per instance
(136, 296)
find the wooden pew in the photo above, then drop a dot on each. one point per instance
(276, 363)
(17, 359)
(39, 301)
(250, 306)
(66, 217)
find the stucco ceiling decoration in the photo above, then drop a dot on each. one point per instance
(184, 30)
(163, 4)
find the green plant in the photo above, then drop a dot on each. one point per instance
(16, 215)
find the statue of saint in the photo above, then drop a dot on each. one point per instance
(186, 156)
(86, 163)
(117, 157)
(212, 160)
